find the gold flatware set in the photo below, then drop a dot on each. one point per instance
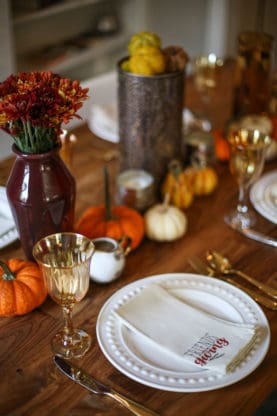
(219, 266)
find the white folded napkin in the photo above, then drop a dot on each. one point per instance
(6, 219)
(6, 225)
(199, 338)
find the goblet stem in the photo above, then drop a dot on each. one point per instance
(68, 325)
(241, 216)
(242, 206)
(206, 105)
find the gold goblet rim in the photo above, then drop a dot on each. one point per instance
(57, 237)
(241, 138)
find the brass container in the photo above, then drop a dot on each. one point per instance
(150, 120)
(252, 80)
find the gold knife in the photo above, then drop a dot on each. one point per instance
(90, 383)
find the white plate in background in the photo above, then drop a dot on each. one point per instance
(8, 232)
(263, 195)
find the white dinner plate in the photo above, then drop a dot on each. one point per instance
(8, 232)
(151, 366)
(263, 195)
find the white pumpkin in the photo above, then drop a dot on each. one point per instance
(165, 222)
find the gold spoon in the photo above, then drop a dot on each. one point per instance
(204, 269)
(221, 264)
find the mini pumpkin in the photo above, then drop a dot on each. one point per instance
(178, 186)
(115, 222)
(22, 287)
(164, 222)
(221, 146)
(204, 180)
(121, 221)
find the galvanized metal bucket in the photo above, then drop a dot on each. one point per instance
(150, 120)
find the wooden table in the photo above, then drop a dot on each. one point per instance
(31, 385)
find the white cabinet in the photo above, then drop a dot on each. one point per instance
(76, 38)
(62, 35)
(51, 38)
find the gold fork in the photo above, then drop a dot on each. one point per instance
(203, 268)
(222, 265)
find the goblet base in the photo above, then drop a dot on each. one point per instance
(73, 345)
(240, 219)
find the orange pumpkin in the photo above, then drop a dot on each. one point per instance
(221, 146)
(22, 287)
(177, 185)
(115, 222)
(204, 180)
(123, 221)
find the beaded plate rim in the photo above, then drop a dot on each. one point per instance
(119, 348)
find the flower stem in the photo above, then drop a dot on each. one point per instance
(31, 138)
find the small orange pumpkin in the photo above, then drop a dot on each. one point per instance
(177, 185)
(22, 287)
(204, 180)
(115, 222)
(221, 146)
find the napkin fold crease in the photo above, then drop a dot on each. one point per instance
(198, 337)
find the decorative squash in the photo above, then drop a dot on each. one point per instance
(178, 186)
(204, 180)
(176, 58)
(165, 222)
(115, 222)
(141, 39)
(22, 287)
(147, 60)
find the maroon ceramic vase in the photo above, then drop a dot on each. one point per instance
(41, 192)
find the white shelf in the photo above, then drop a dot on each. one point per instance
(101, 48)
(52, 10)
(57, 37)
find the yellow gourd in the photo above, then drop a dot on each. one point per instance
(204, 180)
(143, 39)
(147, 60)
(178, 186)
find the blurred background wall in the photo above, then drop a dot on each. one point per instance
(84, 38)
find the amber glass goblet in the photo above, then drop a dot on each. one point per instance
(247, 155)
(64, 259)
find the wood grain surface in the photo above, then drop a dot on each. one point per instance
(30, 385)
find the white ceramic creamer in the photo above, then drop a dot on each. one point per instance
(108, 260)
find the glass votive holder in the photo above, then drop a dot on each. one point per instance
(200, 149)
(135, 189)
(66, 152)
